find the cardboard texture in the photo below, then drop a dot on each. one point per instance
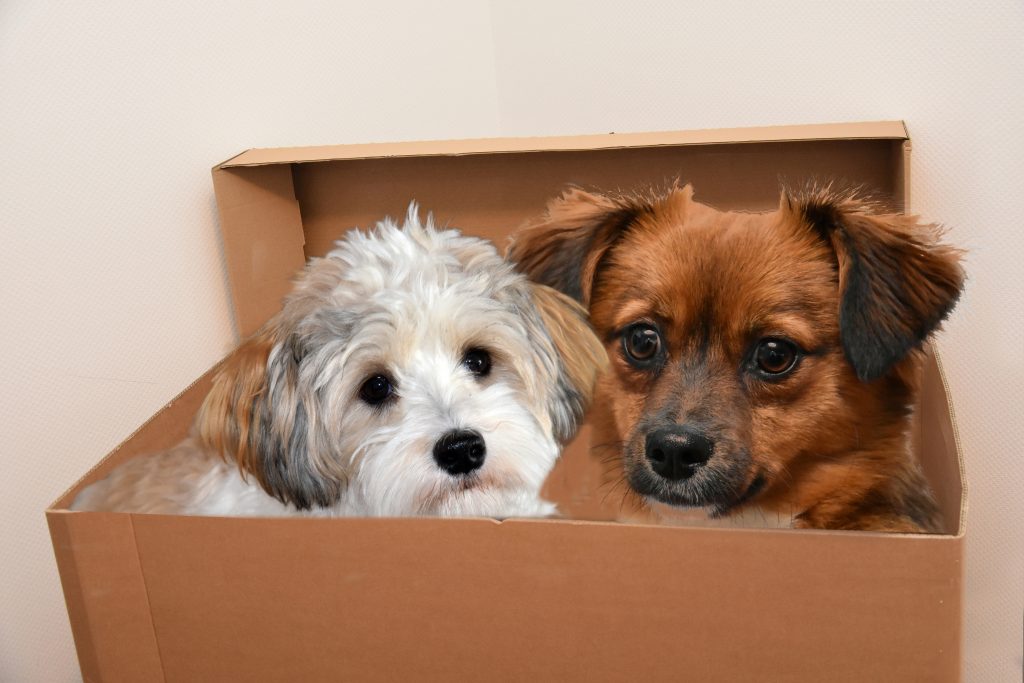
(166, 598)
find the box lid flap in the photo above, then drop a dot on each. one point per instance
(895, 130)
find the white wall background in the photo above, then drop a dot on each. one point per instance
(112, 290)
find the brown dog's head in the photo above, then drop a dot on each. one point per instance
(753, 356)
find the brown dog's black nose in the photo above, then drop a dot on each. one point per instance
(676, 452)
(460, 452)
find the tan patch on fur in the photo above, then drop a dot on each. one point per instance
(228, 420)
(582, 355)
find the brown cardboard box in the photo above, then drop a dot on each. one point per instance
(155, 598)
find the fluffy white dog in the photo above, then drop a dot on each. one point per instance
(412, 371)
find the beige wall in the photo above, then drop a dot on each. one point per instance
(112, 290)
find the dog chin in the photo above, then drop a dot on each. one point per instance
(483, 500)
(718, 496)
(684, 495)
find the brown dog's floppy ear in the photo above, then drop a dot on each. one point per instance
(258, 415)
(562, 249)
(579, 358)
(897, 282)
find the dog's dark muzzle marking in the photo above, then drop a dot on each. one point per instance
(756, 486)
(460, 451)
(677, 452)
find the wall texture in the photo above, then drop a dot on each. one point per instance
(112, 290)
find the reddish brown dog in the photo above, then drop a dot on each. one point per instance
(764, 360)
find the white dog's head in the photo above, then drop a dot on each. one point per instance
(411, 371)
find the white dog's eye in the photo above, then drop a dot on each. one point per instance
(477, 361)
(376, 390)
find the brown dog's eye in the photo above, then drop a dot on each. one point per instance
(776, 357)
(376, 390)
(641, 343)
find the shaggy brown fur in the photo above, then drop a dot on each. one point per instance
(727, 298)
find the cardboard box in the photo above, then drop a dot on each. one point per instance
(167, 598)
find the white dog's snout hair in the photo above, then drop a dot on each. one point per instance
(405, 303)
(396, 473)
(437, 386)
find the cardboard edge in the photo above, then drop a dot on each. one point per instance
(74, 600)
(904, 159)
(907, 149)
(518, 521)
(521, 522)
(227, 162)
(60, 504)
(927, 537)
(957, 445)
(280, 212)
(91, 612)
(864, 130)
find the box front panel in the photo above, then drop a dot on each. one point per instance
(327, 600)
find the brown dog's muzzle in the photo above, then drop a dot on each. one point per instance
(689, 463)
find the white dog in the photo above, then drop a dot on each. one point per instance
(411, 371)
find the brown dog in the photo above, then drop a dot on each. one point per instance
(765, 360)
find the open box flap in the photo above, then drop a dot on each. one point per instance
(825, 131)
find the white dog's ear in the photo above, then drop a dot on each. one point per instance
(575, 355)
(897, 280)
(259, 415)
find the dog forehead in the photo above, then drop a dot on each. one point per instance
(396, 286)
(407, 292)
(389, 264)
(725, 269)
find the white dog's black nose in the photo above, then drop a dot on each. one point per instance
(460, 452)
(677, 452)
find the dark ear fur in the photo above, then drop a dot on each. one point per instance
(563, 249)
(256, 415)
(897, 281)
